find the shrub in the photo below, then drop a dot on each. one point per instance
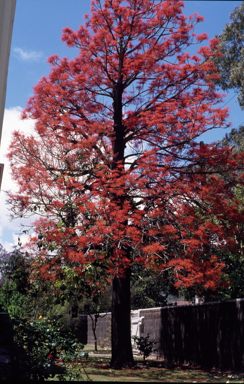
(44, 341)
(144, 345)
(11, 300)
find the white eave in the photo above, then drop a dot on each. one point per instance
(1, 173)
(7, 11)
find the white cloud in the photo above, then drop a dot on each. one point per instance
(8, 246)
(27, 55)
(9, 230)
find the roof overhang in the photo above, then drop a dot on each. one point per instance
(7, 11)
(1, 174)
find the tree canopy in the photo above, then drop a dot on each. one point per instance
(231, 63)
(114, 167)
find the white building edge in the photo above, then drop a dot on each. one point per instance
(7, 11)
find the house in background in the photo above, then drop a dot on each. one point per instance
(7, 11)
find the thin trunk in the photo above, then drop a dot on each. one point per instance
(94, 326)
(122, 356)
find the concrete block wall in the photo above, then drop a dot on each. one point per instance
(103, 329)
(151, 323)
(206, 335)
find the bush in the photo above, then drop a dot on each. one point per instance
(44, 341)
(144, 345)
(11, 300)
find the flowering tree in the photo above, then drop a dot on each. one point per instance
(114, 166)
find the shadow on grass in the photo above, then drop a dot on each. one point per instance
(98, 369)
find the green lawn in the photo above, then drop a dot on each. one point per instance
(96, 368)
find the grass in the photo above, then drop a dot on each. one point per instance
(97, 368)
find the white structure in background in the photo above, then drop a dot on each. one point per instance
(7, 11)
(136, 322)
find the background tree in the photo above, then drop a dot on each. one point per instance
(89, 294)
(233, 271)
(4, 257)
(96, 306)
(114, 166)
(234, 261)
(231, 63)
(231, 69)
(15, 272)
(149, 288)
(18, 293)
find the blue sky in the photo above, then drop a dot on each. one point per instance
(37, 32)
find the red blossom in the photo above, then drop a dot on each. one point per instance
(114, 165)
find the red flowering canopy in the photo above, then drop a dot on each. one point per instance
(114, 165)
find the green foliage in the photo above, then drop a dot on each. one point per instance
(231, 64)
(144, 345)
(99, 302)
(39, 341)
(16, 267)
(45, 340)
(17, 294)
(11, 300)
(233, 273)
(235, 139)
(146, 288)
(234, 277)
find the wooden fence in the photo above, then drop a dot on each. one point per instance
(206, 335)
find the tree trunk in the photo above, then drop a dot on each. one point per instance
(122, 356)
(94, 326)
